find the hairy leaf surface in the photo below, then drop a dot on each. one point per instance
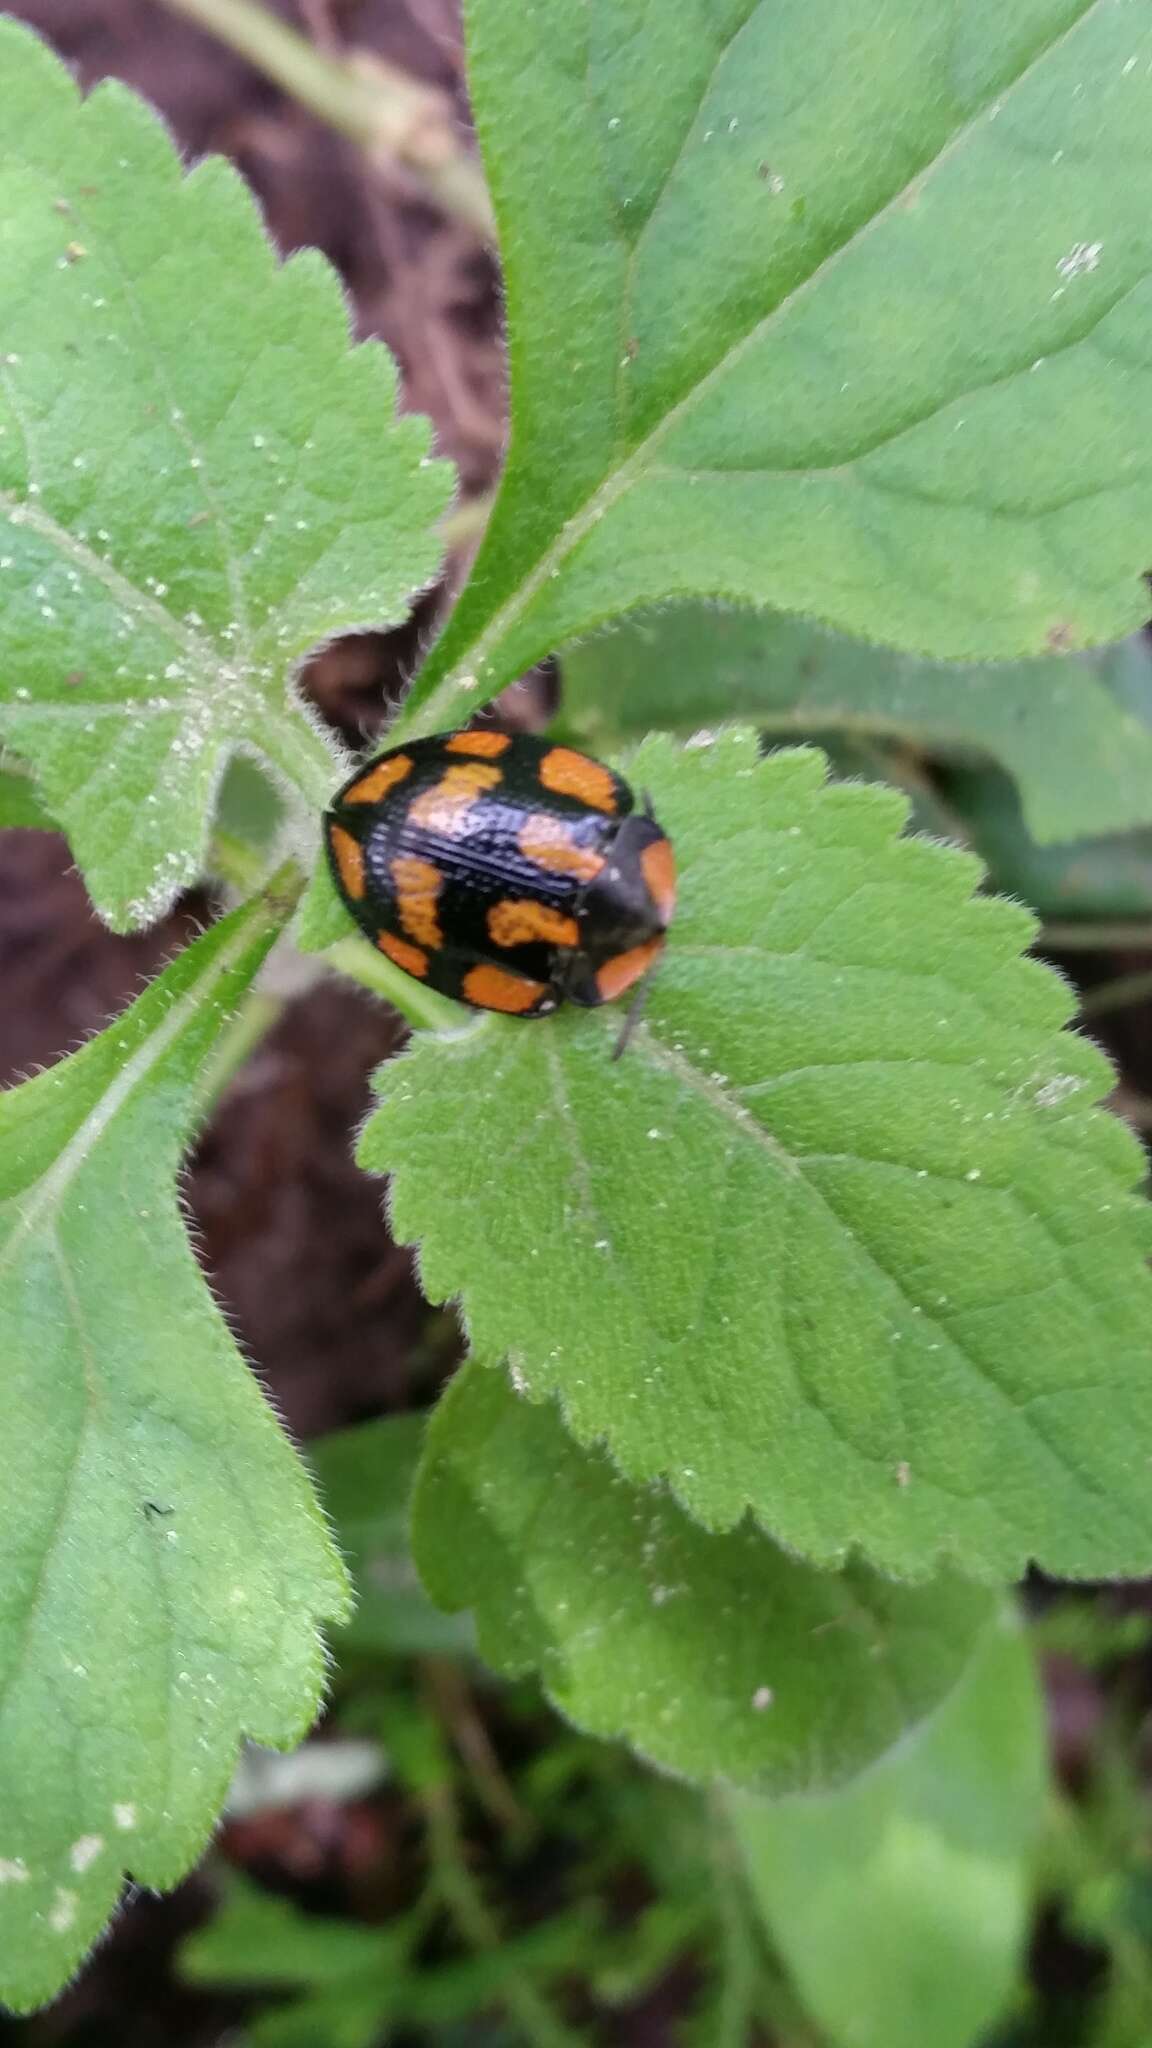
(164, 1563)
(199, 480)
(840, 309)
(719, 1657)
(842, 1239)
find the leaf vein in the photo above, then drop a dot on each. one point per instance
(661, 1054)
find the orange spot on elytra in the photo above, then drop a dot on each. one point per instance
(493, 988)
(623, 969)
(485, 744)
(444, 807)
(514, 923)
(418, 885)
(349, 858)
(658, 867)
(410, 958)
(379, 780)
(567, 773)
(549, 843)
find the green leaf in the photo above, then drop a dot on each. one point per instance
(354, 1978)
(1075, 734)
(321, 920)
(1106, 876)
(900, 1903)
(838, 309)
(19, 801)
(349, 1975)
(165, 1564)
(349, 2016)
(365, 1477)
(718, 1657)
(841, 1239)
(258, 1939)
(199, 480)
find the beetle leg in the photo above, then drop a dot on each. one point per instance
(633, 1015)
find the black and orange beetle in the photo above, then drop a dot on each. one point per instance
(507, 871)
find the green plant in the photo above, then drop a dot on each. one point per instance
(801, 1331)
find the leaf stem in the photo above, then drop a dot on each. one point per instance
(383, 110)
(450, 1693)
(236, 861)
(424, 1009)
(477, 1925)
(260, 1009)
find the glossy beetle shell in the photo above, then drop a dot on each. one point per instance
(507, 871)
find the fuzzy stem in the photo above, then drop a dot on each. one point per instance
(424, 1009)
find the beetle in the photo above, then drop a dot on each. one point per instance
(510, 872)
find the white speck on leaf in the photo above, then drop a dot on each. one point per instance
(63, 1911)
(124, 1816)
(762, 1698)
(1080, 260)
(1057, 1090)
(84, 1852)
(13, 1870)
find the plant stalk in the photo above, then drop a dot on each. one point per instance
(388, 114)
(1087, 936)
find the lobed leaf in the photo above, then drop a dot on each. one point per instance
(900, 1902)
(1075, 735)
(842, 1239)
(199, 480)
(841, 310)
(164, 1562)
(718, 1657)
